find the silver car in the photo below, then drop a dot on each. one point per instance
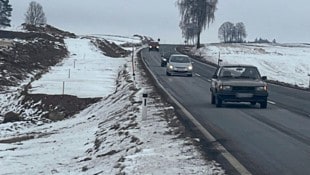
(179, 65)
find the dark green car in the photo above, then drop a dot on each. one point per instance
(238, 83)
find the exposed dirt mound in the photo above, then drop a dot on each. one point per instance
(32, 54)
(63, 104)
(48, 29)
(110, 48)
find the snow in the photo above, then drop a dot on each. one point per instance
(288, 63)
(108, 137)
(86, 73)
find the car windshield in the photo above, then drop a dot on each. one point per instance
(180, 59)
(240, 72)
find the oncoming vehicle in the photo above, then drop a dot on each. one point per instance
(179, 64)
(153, 46)
(238, 83)
(163, 62)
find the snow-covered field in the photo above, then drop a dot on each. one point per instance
(108, 137)
(288, 63)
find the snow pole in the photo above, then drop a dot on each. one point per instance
(309, 80)
(144, 106)
(63, 87)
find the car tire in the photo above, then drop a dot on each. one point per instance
(253, 103)
(167, 73)
(190, 75)
(212, 99)
(218, 102)
(263, 105)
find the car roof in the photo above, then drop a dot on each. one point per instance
(179, 55)
(153, 42)
(239, 65)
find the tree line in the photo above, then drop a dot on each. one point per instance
(34, 15)
(232, 33)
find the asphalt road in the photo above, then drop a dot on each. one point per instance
(275, 140)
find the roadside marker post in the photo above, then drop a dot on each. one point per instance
(219, 59)
(309, 80)
(144, 106)
(63, 88)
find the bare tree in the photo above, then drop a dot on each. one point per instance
(5, 13)
(228, 32)
(35, 14)
(189, 32)
(240, 32)
(198, 12)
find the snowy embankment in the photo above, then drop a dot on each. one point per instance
(288, 63)
(108, 137)
(86, 73)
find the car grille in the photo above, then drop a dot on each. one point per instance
(243, 88)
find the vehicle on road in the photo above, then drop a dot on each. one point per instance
(179, 64)
(153, 46)
(238, 83)
(163, 62)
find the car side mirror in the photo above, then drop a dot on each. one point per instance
(264, 78)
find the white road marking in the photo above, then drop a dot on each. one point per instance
(209, 80)
(271, 102)
(197, 75)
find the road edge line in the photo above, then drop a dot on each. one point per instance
(223, 151)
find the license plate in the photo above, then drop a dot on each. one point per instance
(244, 95)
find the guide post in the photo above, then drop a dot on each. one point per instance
(144, 106)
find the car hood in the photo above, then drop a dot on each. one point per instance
(180, 64)
(243, 82)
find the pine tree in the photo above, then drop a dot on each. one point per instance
(5, 13)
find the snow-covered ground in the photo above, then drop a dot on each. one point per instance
(86, 73)
(108, 137)
(288, 63)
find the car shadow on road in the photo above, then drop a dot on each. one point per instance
(240, 105)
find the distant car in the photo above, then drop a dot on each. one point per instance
(238, 83)
(179, 64)
(153, 46)
(163, 62)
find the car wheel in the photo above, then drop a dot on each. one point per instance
(167, 73)
(190, 75)
(162, 65)
(212, 99)
(263, 105)
(253, 103)
(218, 102)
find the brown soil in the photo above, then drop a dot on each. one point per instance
(37, 51)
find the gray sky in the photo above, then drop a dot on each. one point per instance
(283, 20)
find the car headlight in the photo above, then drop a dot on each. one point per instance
(261, 88)
(157, 47)
(190, 67)
(170, 67)
(225, 87)
(164, 59)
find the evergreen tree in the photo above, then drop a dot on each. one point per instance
(5, 13)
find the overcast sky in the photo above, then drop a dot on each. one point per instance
(283, 20)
